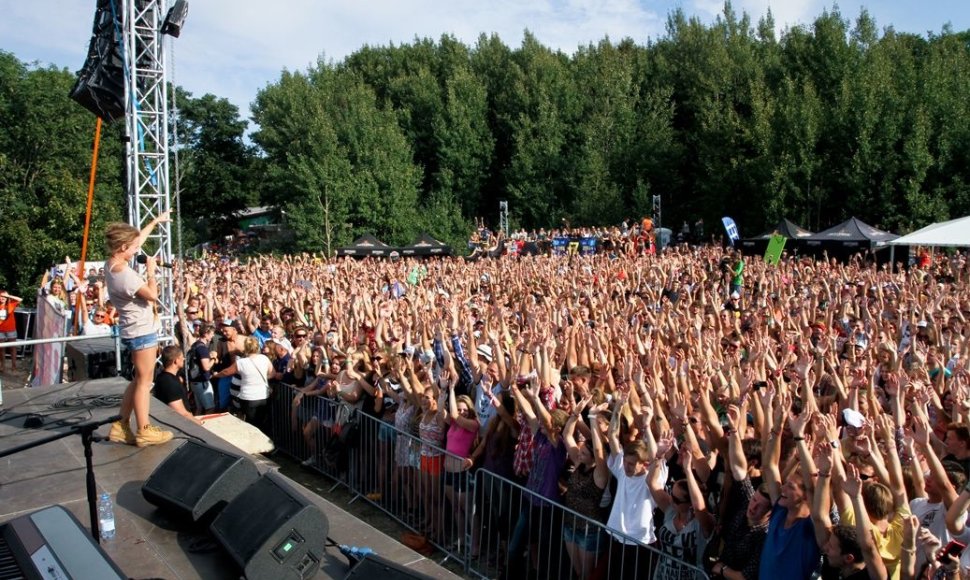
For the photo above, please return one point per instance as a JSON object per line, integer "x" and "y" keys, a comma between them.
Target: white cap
{"x": 853, "y": 418}
{"x": 485, "y": 351}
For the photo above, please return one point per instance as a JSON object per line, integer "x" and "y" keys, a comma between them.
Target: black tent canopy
{"x": 425, "y": 245}
{"x": 849, "y": 237}
{"x": 364, "y": 246}
{"x": 786, "y": 227}
{"x": 369, "y": 246}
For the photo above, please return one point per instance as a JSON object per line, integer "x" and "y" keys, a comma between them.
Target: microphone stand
{"x": 86, "y": 431}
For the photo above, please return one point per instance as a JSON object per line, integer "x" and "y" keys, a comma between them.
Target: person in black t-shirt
{"x": 168, "y": 388}
{"x": 200, "y": 370}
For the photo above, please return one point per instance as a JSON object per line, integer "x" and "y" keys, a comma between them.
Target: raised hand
{"x": 797, "y": 423}
{"x": 852, "y": 485}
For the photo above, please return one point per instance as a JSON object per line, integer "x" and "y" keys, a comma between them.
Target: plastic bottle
{"x": 106, "y": 517}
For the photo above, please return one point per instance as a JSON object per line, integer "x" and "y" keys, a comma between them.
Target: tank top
{"x": 431, "y": 434}
{"x": 460, "y": 440}
{"x": 583, "y": 495}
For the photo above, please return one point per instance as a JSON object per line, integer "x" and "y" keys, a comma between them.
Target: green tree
{"x": 46, "y": 142}
{"x": 215, "y": 162}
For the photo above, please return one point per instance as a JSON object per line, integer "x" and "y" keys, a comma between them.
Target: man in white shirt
{"x": 97, "y": 325}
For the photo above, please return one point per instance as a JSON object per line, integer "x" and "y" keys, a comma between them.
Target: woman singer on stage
{"x": 135, "y": 297}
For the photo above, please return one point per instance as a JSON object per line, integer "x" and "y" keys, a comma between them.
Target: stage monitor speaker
{"x": 376, "y": 567}
{"x": 272, "y": 531}
{"x": 198, "y": 480}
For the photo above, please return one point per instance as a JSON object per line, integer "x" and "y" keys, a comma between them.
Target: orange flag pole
{"x": 87, "y": 219}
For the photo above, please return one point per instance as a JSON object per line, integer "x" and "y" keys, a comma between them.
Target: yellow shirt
{"x": 890, "y": 542}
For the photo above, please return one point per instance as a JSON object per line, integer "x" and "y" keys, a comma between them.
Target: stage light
{"x": 175, "y": 18}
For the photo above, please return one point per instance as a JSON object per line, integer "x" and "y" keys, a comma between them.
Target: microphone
{"x": 142, "y": 259}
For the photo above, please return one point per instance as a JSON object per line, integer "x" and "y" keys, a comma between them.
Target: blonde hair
{"x": 118, "y": 234}
{"x": 468, "y": 403}
{"x": 250, "y": 345}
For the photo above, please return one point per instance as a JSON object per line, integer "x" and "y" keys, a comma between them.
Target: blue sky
{"x": 234, "y": 48}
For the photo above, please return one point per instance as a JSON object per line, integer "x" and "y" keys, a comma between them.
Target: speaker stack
{"x": 265, "y": 524}
{"x": 197, "y": 481}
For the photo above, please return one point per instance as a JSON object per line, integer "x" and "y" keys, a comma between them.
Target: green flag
{"x": 775, "y": 248}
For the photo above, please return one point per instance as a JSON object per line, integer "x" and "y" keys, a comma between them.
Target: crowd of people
{"x": 762, "y": 421}
{"x": 627, "y": 238}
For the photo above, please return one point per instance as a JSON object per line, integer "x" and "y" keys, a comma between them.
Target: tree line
{"x": 824, "y": 121}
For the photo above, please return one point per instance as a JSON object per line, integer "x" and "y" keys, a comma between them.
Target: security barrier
{"x": 492, "y": 526}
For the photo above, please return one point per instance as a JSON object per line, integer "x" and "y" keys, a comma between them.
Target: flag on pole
{"x": 731, "y": 228}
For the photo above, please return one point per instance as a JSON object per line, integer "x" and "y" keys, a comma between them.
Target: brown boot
{"x": 121, "y": 433}
{"x": 152, "y": 435}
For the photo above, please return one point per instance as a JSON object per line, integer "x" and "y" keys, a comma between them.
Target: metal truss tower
{"x": 503, "y": 218}
{"x": 146, "y": 118}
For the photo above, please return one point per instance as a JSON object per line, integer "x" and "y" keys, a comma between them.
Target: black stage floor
{"x": 148, "y": 544}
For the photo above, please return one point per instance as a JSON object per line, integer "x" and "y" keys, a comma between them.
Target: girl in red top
{"x": 8, "y": 327}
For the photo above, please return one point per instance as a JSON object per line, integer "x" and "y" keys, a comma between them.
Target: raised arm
{"x": 870, "y": 554}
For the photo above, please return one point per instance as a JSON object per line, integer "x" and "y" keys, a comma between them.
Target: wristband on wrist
{"x": 798, "y": 438}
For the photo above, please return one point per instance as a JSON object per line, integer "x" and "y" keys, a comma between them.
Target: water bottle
{"x": 106, "y": 517}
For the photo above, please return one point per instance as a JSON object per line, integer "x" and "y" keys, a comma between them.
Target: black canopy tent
{"x": 758, "y": 244}
{"x": 366, "y": 246}
{"x": 850, "y": 237}
{"x": 425, "y": 245}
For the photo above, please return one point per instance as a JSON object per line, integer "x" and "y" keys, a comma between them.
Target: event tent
{"x": 787, "y": 228}
{"x": 366, "y": 245}
{"x": 953, "y": 233}
{"x": 849, "y": 237}
{"x": 425, "y": 245}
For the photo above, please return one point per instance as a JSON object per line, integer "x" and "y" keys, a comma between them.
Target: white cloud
{"x": 234, "y": 48}
{"x": 787, "y": 13}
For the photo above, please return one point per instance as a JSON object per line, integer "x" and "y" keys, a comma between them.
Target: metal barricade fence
{"x": 421, "y": 486}
{"x": 492, "y": 526}
{"x": 519, "y": 534}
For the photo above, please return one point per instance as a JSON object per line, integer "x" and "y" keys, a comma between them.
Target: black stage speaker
{"x": 198, "y": 480}
{"x": 92, "y": 359}
{"x": 376, "y": 567}
{"x": 272, "y": 531}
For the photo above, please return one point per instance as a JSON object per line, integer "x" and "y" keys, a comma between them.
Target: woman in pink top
{"x": 463, "y": 426}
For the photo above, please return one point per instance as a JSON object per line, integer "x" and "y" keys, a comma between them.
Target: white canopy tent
{"x": 952, "y": 233}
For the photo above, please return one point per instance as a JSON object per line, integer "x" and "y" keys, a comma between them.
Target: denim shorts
{"x": 141, "y": 342}
{"x": 587, "y": 537}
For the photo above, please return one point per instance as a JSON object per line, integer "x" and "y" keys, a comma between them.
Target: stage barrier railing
{"x": 492, "y": 526}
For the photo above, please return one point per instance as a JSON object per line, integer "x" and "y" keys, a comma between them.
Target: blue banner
{"x": 731, "y": 228}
